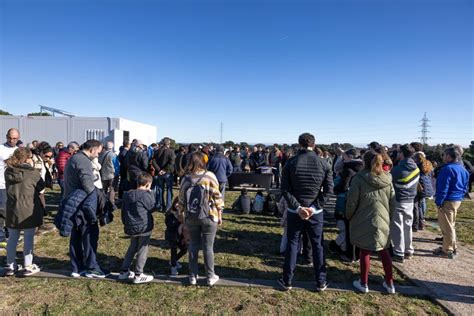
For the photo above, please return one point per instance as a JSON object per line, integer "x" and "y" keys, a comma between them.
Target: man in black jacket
{"x": 306, "y": 182}
{"x": 163, "y": 162}
{"x": 136, "y": 161}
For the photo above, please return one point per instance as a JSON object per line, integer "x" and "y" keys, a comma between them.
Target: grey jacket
{"x": 78, "y": 174}
{"x": 106, "y": 160}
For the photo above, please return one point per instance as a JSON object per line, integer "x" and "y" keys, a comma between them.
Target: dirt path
{"x": 451, "y": 282}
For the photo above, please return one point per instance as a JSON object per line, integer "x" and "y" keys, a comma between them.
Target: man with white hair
{"x": 107, "y": 172}
{"x": 6, "y": 150}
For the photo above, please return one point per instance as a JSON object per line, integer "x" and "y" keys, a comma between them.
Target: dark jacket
{"x": 405, "y": 177}
{"x": 303, "y": 178}
{"x": 136, "y": 212}
{"x": 221, "y": 166}
{"x": 78, "y": 174}
{"x": 349, "y": 169}
{"x": 78, "y": 208}
{"x": 370, "y": 202}
{"x": 137, "y": 162}
{"x": 24, "y": 208}
{"x": 164, "y": 159}
{"x": 257, "y": 159}
{"x": 452, "y": 183}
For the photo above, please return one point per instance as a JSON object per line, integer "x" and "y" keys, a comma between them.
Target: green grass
{"x": 464, "y": 220}
{"x": 95, "y": 297}
{"x": 246, "y": 247}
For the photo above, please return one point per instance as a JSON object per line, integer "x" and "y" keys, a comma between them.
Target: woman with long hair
{"x": 370, "y": 201}
{"x": 202, "y": 203}
{"x": 24, "y": 208}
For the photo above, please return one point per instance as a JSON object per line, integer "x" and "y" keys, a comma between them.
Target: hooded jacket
{"x": 370, "y": 201}
{"x": 405, "y": 177}
{"x": 24, "y": 208}
{"x": 136, "y": 212}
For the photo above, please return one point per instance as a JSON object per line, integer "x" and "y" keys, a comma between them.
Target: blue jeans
{"x": 83, "y": 247}
{"x": 160, "y": 183}
{"x": 314, "y": 227}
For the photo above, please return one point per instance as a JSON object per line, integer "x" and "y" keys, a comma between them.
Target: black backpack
{"x": 197, "y": 199}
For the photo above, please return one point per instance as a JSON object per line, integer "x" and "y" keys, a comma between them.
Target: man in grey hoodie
{"x": 405, "y": 177}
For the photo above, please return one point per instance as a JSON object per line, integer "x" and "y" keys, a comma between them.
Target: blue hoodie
{"x": 451, "y": 183}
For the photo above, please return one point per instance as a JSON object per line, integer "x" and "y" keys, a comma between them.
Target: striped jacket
{"x": 210, "y": 183}
{"x": 405, "y": 177}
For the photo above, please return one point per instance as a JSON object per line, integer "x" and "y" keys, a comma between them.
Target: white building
{"x": 55, "y": 129}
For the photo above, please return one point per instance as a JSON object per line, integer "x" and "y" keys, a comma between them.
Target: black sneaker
{"x": 286, "y": 286}
{"x": 322, "y": 287}
{"x": 396, "y": 258}
{"x": 438, "y": 239}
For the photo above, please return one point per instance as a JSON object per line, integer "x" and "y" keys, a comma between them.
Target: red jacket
{"x": 61, "y": 161}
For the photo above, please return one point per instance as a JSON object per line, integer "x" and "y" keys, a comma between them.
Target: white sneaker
{"x": 31, "y": 269}
{"x": 390, "y": 289}
{"x": 193, "y": 279}
{"x": 174, "y": 270}
{"x": 362, "y": 288}
{"x": 142, "y": 278}
{"x": 213, "y": 280}
{"x": 125, "y": 275}
{"x": 77, "y": 274}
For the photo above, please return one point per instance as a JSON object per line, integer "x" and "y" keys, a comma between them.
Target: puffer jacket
{"x": 136, "y": 212}
{"x": 24, "y": 208}
{"x": 303, "y": 178}
{"x": 78, "y": 208}
{"x": 61, "y": 161}
{"x": 136, "y": 161}
{"x": 370, "y": 201}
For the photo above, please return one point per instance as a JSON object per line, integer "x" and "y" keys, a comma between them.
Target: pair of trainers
{"x": 364, "y": 288}
{"x": 210, "y": 282}
{"x": 135, "y": 278}
{"x": 26, "y": 271}
{"x": 286, "y": 286}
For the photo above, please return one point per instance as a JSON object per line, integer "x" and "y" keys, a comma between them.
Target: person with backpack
{"x": 351, "y": 165}
{"x": 24, "y": 210}
{"x": 202, "y": 202}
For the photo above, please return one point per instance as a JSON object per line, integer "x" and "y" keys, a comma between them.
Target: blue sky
{"x": 347, "y": 71}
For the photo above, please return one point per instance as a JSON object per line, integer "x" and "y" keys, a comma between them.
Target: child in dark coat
{"x": 176, "y": 234}
{"x": 138, "y": 224}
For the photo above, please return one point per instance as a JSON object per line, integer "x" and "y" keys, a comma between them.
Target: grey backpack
{"x": 197, "y": 199}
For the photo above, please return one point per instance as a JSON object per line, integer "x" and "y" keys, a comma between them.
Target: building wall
{"x": 144, "y": 132}
{"x": 79, "y": 129}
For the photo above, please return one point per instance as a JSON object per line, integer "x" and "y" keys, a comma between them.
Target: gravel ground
{"x": 450, "y": 281}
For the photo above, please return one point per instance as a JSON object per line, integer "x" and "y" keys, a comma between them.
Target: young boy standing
{"x": 138, "y": 224}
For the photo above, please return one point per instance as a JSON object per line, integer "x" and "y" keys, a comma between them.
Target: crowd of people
{"x": 381, "y": 200}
